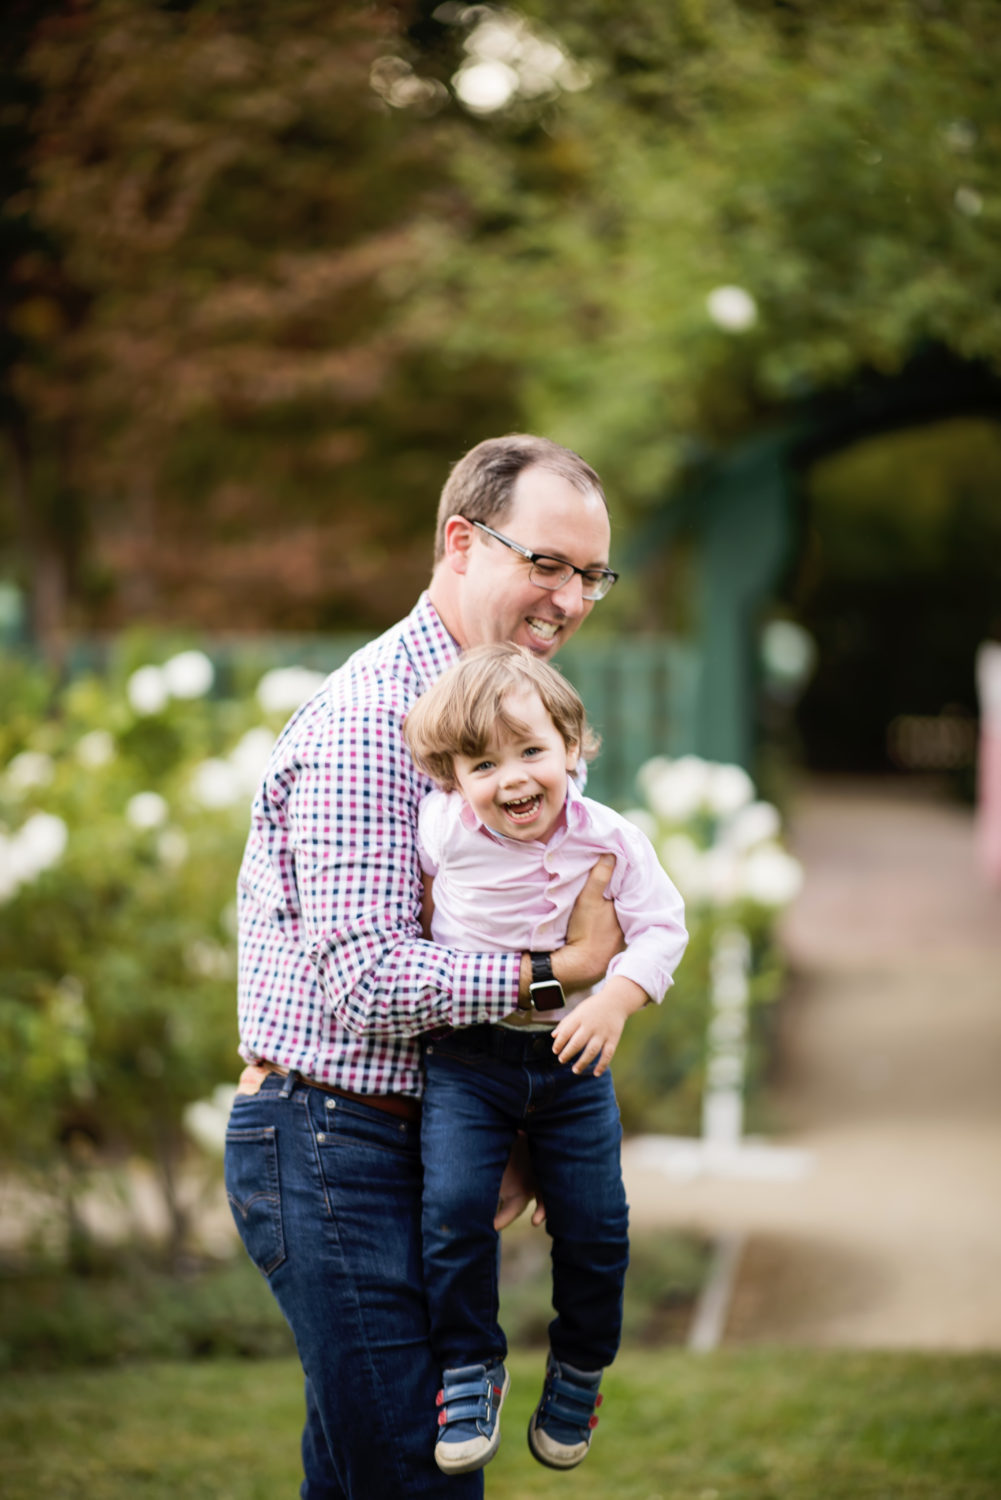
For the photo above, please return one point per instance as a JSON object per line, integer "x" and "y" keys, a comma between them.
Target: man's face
{"x": 498, "y": 602}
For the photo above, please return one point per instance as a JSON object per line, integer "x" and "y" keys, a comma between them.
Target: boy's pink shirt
{"x": 497, "y": 892}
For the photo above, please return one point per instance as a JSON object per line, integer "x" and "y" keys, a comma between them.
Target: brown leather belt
{"x": 401, "y": 1105}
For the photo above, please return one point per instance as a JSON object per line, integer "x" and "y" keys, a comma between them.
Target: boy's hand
{"x": 591, "y": 1031}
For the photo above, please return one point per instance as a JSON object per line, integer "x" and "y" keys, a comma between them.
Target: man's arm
{"x": 594, "y": 937}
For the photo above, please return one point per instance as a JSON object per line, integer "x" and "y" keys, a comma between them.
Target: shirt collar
{"x": 432, "y": 648}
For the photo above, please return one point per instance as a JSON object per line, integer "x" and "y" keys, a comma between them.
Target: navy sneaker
{"x": 469, "y": 1407}
{"x": 559, "y": 1433}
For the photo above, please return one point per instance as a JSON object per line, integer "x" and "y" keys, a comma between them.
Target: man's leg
{"x": 326, "y": 1195}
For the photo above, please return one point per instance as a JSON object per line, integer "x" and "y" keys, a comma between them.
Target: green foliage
{"x": 835, "y": 163}
{"x": 722, "y": 849}
{"x": 127, "y": 1309}
{"x": 121, "y": 829}
{"x": 278, "y": 273}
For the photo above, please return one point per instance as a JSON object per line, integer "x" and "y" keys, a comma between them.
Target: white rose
{"x": 732, "y": 308}
{"x": 146, "y": 810}
{"x": 147, "y": 690}
{"x": 729, "y": 789}
{"x": 39, "y": 844}
{"x": 250, "y": 755}
{"x": 30, "y": 769}
{"x": 206, "y": 1119}
{"x": 190, "y": 674}
{"x": 758, "y": 823}
{"x": 641, "y": 819}
{"x": 286, "y": 688}
{"x": 95, "y": 749}
{"x": 215, "y": 784}
{"x": 771, "y": 877}
{"x": 172, "y": 847}
{"x": 678, "y": 788}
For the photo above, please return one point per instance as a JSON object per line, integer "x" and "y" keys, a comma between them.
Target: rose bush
{"x": 124, "y": 800}
{"x": 722, "y": 848}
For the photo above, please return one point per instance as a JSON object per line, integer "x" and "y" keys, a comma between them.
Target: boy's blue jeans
{"x": 483, "y": 1085}
{"x": 326, "y": 1196}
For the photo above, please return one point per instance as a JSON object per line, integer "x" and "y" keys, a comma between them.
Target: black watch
{"x": 545, "y": 990}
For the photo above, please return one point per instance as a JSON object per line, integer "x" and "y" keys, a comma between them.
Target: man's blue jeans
{"x": 483, "y": 1085}
{"x": 326, "y": 1196}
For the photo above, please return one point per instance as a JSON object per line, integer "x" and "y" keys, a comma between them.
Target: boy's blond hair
{"x": 461, "y": 712}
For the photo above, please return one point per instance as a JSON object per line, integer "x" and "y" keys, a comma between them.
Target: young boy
{"x": 508, "y": 842}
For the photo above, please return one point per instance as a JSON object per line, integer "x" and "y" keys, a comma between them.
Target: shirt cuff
{"x": 485, "y": 987}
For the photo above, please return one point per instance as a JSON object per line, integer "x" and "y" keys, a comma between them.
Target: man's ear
{"x": 458, "y": 542}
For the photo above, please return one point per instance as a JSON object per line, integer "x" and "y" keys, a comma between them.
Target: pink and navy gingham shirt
{"x": 491, "y": 891}
{"x": 335, "y": 979}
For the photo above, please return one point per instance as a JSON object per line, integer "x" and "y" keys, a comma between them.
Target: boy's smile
{"x": 517, "y": 785}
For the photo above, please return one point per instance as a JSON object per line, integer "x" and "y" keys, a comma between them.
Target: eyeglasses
{"x": 554, "y": 572}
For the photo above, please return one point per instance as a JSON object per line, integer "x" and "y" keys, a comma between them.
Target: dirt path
{"x": 890, "y": 1077}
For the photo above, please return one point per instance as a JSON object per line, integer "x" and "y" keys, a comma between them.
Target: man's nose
{"x": 569, "y": 597}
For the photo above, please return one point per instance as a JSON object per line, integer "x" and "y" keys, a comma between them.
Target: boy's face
{"x": 518, "y": 785}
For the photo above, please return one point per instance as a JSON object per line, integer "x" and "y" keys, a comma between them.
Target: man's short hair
{"x": 460, "y": 713}
{"x": 480, "y": 484}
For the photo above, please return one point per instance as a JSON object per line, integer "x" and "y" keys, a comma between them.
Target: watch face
{"x": 547, "y": 995}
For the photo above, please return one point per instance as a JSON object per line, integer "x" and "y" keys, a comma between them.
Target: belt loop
{"x": 292, "y": 1077}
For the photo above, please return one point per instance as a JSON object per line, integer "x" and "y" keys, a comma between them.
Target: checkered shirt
{"x": 335, "y": 978}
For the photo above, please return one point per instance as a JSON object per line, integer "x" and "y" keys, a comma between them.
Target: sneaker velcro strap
{"x": 571, "y": 1403}
{"x": 467, "y": 1400}
{"x": 575, "y": 1401}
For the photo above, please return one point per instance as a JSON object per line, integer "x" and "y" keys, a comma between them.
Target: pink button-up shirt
{"x": 497, "y": 892}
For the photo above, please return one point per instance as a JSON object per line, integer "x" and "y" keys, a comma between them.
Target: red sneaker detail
{"x": 599, "y": 1400}
{"x": 592, "y": 1422}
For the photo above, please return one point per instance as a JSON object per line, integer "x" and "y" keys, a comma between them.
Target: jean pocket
{"x": 254, "y": 1196}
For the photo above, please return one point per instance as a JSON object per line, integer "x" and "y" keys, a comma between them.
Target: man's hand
{"x": 593, "y": 933}
{"x": 517, "y": 1189}
{"x": 591, "y": 1031}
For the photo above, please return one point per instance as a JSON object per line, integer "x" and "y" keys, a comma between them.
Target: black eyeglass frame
{"x": 545, "y": 557}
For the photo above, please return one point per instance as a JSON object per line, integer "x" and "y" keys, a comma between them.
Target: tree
{"x": 243, "y": 212}
{"x": 829, "y": 173}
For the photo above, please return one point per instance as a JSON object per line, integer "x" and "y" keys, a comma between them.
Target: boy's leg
{"x": 574, "y": 1136}
{"x": 326, "y": 1195}
{"x": 469, "y": 1122}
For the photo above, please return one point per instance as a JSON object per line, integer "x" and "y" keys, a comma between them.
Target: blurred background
{"x": 266, "y": 272}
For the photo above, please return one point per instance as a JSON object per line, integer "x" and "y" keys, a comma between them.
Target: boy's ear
{"x": 573, "y": 755}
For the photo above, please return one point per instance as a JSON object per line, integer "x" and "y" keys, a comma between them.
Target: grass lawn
{"x": 735, "y": 1425}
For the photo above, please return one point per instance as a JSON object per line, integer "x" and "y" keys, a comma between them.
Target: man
{"x": 336, "y": 983}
